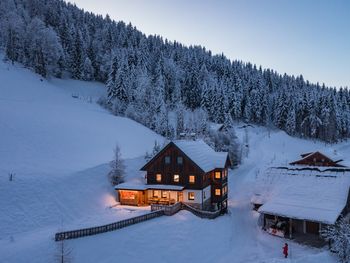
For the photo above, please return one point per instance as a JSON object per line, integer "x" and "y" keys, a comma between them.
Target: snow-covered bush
{"x": 339, "y": 236}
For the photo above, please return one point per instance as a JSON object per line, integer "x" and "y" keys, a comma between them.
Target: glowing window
{"x": 217, "y": 175}
{"x": 218, "y": 192}
{"x": 164, "y": 194}
{"x": 192, "y": 179}
{"x": 176, "y": 178}
{"x": 191, "y": 196}
{"x": 158, "y": 177}
{"x": 155, "y": 193}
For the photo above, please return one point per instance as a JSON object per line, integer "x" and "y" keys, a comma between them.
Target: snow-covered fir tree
{"x": 117, "y": 172}
{"x": 54, "y": 37}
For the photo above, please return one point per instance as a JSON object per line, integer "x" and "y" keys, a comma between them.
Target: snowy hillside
{"x": 58, "y": 147}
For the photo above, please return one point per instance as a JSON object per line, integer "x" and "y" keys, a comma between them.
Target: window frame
{"x": 194, "y": 179}
{"x": 155, "y": 195}
{"x": 178, "y": 178}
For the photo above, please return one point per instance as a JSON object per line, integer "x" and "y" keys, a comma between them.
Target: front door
{"x": 179, "y": 196}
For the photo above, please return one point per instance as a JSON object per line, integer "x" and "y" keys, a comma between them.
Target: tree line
{"x": 165, "y": 85}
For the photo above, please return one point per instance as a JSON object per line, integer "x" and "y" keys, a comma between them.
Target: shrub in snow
{"x": 117, "y": 173}
{"x": 339, "y": 236}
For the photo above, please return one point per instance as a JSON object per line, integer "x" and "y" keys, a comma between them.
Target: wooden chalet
{"x": 183, "y": 171}
{"x": 298, "y": 200}
{"x": 317, "y": 159}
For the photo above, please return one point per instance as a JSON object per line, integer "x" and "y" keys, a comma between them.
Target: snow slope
{"x": 58, "y": 146}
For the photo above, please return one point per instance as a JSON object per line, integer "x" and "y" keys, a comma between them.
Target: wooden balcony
{"x": 161, "y": 201}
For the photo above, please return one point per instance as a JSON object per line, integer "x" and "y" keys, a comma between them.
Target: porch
{"x": 301, "y": 231}
{"x": 141, "y": 195}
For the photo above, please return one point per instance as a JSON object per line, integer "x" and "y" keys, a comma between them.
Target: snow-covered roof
{"x": 312, "y": 194}
{"x": 165, "y": 187}
{"x": 334, "y": 157}
{"x": 141, "y": 187}
{"x": 131, "y": 186}
{"x": 215, "y": 126}
{"x": 202, "y": 154}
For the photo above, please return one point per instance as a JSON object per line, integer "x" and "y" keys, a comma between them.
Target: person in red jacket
{"x": 285, "y": 250}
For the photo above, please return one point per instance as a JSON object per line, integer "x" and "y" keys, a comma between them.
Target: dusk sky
{"x": 305, "y": 37}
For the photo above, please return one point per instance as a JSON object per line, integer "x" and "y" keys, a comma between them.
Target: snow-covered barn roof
{"x": 202, "y": 154}
{"x": 316, "y": 194}
{"x": 311, "y": 157}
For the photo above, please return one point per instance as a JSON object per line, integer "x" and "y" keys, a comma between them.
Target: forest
{"x": 165, "y": 85}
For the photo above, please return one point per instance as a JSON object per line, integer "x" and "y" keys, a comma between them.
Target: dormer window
{"x": 180, "y": 160}
{"x": 217, "y": 175}
{"x": 167, "y": 159}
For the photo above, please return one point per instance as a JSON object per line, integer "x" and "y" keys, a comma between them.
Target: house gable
{"x": 316, "y": 159}
{"x": 183, "y": 169}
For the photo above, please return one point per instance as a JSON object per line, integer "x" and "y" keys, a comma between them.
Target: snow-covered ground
{"x": 58, "y": 147}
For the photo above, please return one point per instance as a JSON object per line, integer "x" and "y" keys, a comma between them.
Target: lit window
{"x": 218, "y": 192}
{"x": 167, "y": 159}
{"x": 176, "y": 178}
{"x": 192, "y": 179}
{"x": 159, "y": 177}
{"x": 179, "y": 160}
{"x": 155, "y": 193}
{"x": 217, "y": 175}
{"x": 164, "y": 194}
{"x": 191, "y": 196}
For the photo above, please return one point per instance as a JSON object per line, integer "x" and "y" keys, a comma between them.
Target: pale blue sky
{"x": 309, "y": 37}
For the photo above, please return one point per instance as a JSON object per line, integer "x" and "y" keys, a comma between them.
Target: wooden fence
{"x": 169, "y": 210}
{"x": 157, "y": 211}
{"x": 173, "y": 209}
{"x": 201, "y": 213}
{"x": 106, "y": 228}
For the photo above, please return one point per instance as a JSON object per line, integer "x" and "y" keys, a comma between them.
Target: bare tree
{"x": 117, "y": 173}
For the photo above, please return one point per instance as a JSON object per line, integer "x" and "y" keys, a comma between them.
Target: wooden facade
{"x": 169, "y": 169}
{"x": 172, "y": 176}
{"x": 317, "y": 159}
